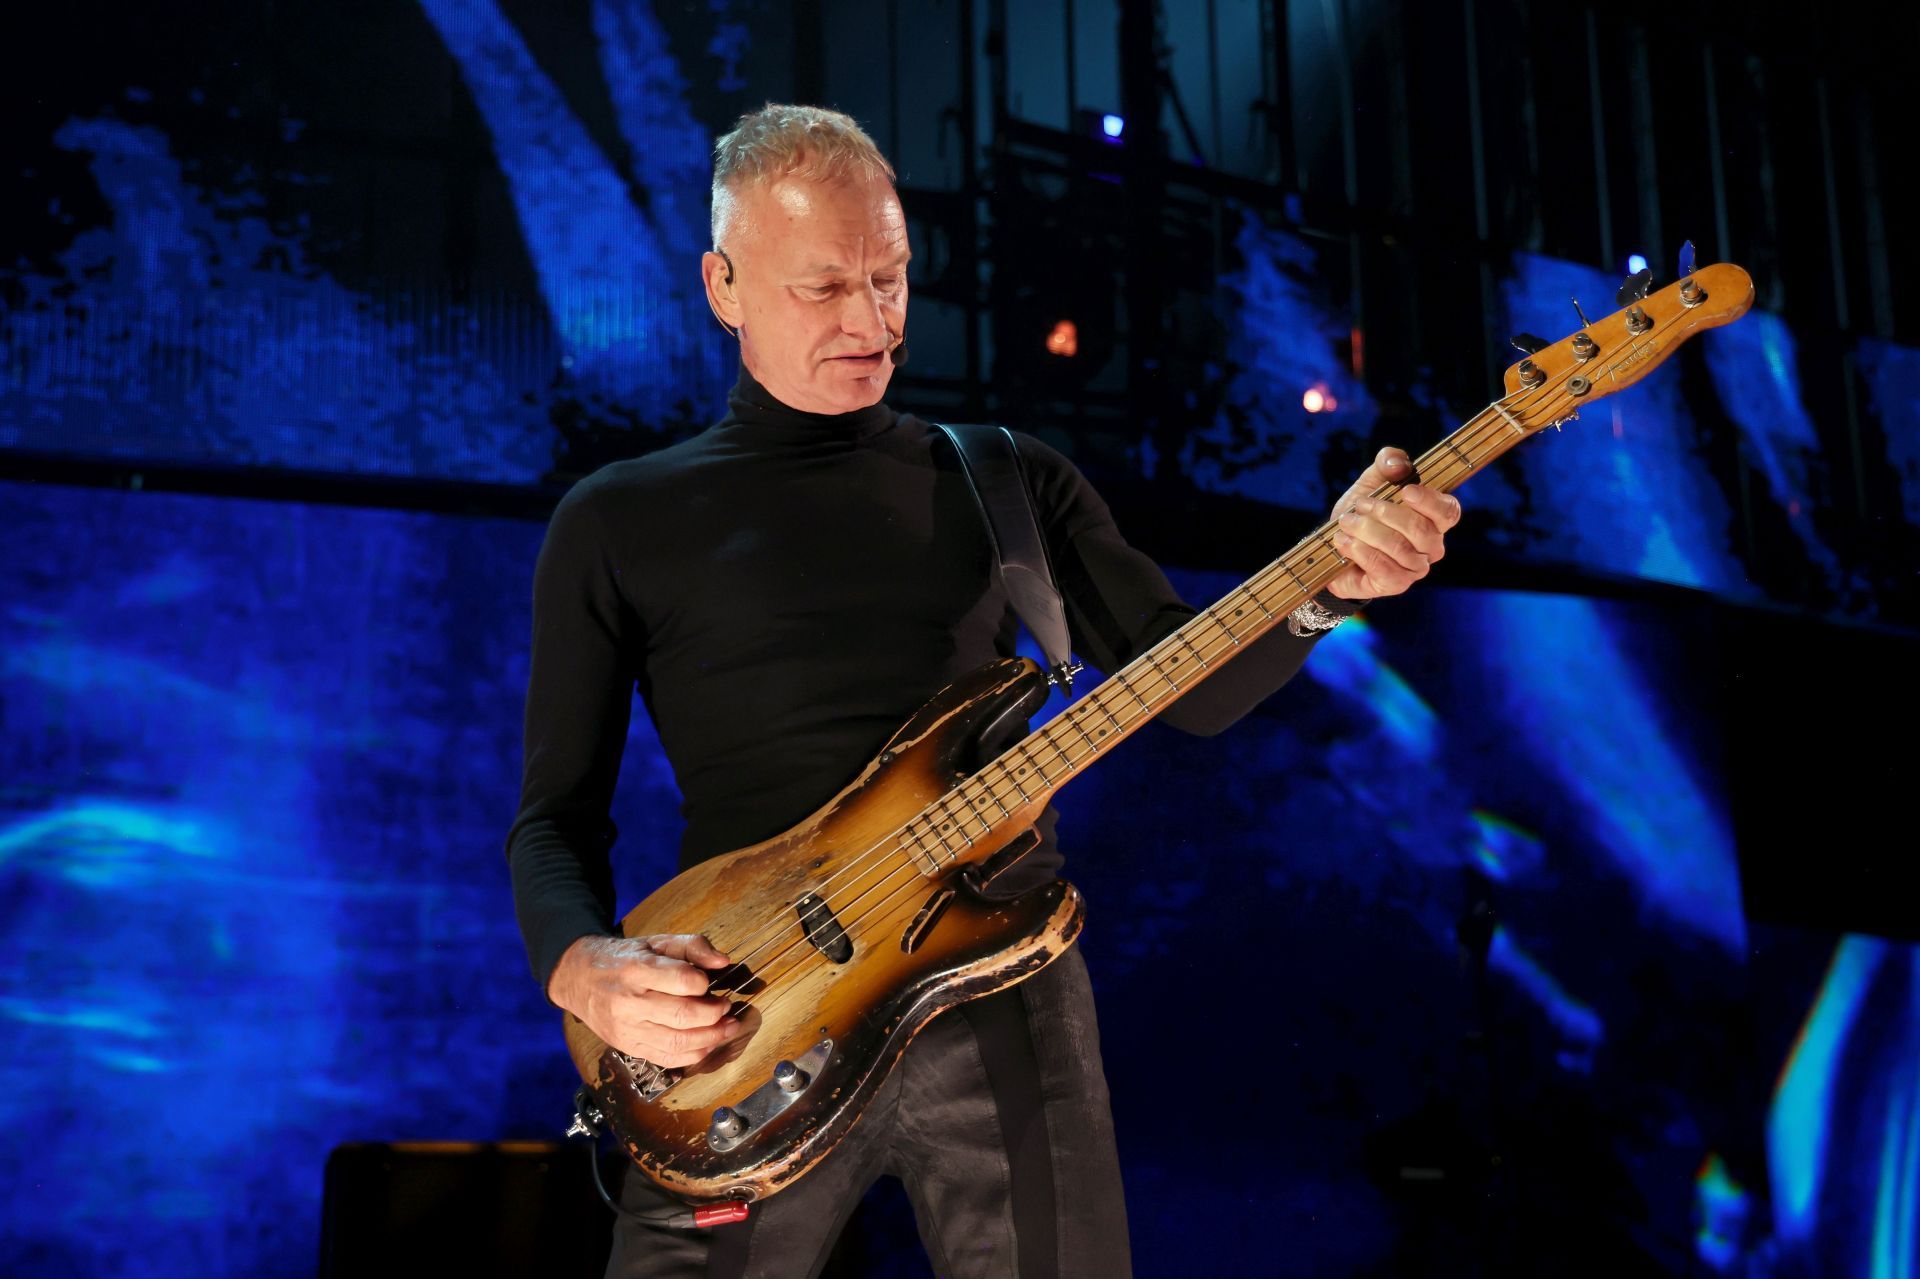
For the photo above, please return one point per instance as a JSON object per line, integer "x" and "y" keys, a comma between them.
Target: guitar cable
{"x": 663, "y": 1209}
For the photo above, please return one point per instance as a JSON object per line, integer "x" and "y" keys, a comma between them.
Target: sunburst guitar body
{"x": 846, "y": 938}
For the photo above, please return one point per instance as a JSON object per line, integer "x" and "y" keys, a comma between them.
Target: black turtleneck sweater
{"x": 783, "y": 590}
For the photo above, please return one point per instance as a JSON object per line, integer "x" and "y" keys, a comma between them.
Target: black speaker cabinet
{"x": 518, "y": 1208}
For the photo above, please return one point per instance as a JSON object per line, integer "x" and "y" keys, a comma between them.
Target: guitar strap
{"x": 991, "y": 464}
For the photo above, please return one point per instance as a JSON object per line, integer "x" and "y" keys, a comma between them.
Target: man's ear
{"x": 716, "y": 272}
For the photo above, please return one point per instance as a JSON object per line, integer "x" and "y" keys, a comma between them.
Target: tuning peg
{"x": 1686, "y": 260}
{"x": 1528, "y": 343}
{"x": 1638, "y": 285}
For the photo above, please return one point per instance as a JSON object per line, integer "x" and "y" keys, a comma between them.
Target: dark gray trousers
{"x": 995, "y": 1119}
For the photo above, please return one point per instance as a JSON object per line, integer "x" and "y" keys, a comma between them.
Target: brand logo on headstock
{"x": 1639, "y": 355}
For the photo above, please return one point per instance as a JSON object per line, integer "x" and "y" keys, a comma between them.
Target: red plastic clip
{"x": 720, "y": 1214}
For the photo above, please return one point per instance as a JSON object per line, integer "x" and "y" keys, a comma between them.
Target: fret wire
{"x": 958, "y": 797}
{"x": 1059, "y": 750}
{"x": 932, "y": 858}
{"x": 1013, "y": 780}
{"x": 1181, "y": 635}
{"x": 1073, "y": 718}
{"x": 940, "y": 810}
{"x": 1225, "y": 630}
{"x": 1101, "y": 702}
{"x": 1213, "y": 617}
{"x": 1025, "y": 750}
{"x": 1127, "y": 684}
{"x": 1153, "y": 664}
{"x": 942, "y": 846}
{"x": 988, "y": 775}
{"x": 961, "y": 791}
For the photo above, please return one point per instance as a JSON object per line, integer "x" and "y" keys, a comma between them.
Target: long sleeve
{"x": 1119, "y": 603}
{"x": 579, "y": 700}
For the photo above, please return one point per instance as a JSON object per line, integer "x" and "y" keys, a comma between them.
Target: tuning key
{"x": 1528, "y": 344}
{"x": 1691, "y": 294}
{"x": 1638, "y": 285}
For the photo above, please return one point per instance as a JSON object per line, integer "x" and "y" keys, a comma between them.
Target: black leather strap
{"x": 992, "y": 466}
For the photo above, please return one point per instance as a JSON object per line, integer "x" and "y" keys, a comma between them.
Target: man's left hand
{"x": 1391, "y": 545}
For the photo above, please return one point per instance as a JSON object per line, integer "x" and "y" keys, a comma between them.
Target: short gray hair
{"x": 781, "y": 140}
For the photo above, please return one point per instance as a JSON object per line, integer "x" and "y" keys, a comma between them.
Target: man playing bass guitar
{"x": 783, "y": 590}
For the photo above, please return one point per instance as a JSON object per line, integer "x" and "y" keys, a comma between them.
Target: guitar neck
{"x": 1047, "y": 759}
{"x": 1544, "y": 390}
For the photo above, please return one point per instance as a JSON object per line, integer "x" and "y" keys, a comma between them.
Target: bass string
{"x": 774, "y": 929}
{"x": 859, "y": 862}
{"x": 1471, "y": 438}
{"x": 1473, "y": 430}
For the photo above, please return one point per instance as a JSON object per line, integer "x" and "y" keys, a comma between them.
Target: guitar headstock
{"x": 1557, "y": 380}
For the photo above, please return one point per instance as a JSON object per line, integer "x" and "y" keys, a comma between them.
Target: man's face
{"x": 820, "y": 278}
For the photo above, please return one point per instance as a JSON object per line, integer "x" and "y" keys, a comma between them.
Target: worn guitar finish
{"x": 849, "y": 931}
{"x": 919, "y": 944}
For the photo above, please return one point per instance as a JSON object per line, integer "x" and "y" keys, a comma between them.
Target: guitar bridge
{"x": 646, "y": 1079}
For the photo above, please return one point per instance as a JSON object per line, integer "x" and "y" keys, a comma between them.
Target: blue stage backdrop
{"x": 1466, "y": 887}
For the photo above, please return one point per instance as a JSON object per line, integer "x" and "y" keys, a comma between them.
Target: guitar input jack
{"x": 665, "y": 1211}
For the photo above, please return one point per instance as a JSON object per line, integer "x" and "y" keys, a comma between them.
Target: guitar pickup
{"x": 924, "y": 921}
{"x": 823, "y": 929}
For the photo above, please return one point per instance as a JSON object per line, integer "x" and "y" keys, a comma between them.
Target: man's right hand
{"x": 647, "y": 996}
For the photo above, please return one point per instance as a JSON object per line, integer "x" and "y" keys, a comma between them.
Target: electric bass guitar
{"x": 852, "y": 929}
